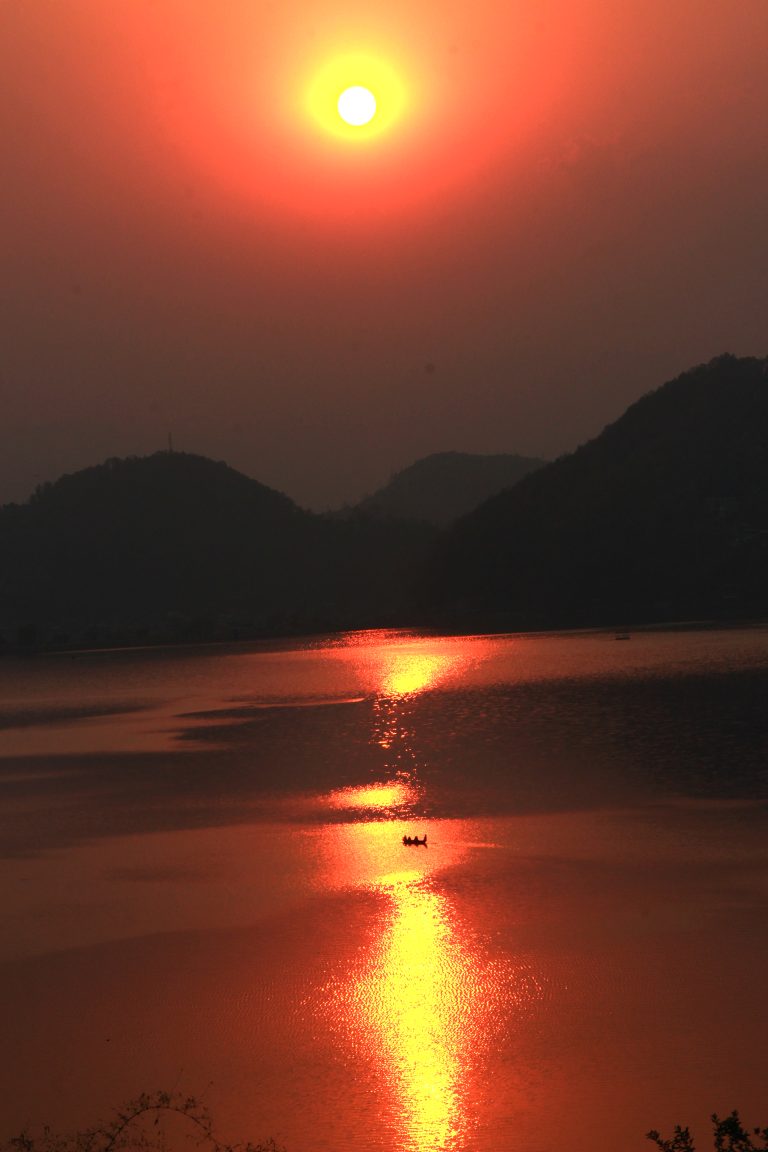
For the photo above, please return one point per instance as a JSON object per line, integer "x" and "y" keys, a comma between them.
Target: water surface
{"x": 204, "y": 887}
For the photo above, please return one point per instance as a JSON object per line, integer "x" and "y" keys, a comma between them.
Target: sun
{"x": 358, "y": 97}
{"x": 357, "y": 105}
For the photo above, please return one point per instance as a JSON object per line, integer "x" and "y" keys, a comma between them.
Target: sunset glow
{"x": 368, "y": 369}
{"x": 274, "y": 127}
{"x": 356, "y": 97}
{"x": 357, "y": 105}
{"x": 320, "y": 303}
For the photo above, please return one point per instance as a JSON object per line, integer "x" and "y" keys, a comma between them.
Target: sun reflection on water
{"x": 427, "y": 999}
{"x": 404, "y": 675}
{"x": 420, "y": 999}
{"x": 373, "y": 797}
{"x": 410, "y": 672}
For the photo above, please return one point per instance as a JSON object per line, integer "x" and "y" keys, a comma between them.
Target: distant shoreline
{"x": 280, "y": 640}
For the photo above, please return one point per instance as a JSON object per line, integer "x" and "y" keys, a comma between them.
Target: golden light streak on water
{"x": 377, "y": 797}
{"x": 425, "y": 1030}
{"x": 428, "y": 998}
{"x": 404, "y": 674}
{"x": 412, "y": 672}
{"x": 394, "y": 666}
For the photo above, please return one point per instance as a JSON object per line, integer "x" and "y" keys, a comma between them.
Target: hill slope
{"x": 442, "y": 487}
{"x": 663, "y": 516}
{"x": 178, "y": 546}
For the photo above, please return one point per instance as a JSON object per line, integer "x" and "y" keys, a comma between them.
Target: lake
{"x": 205, "y": 887}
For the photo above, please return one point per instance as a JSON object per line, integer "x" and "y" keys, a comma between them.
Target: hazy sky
{"x": 564, "y": 204}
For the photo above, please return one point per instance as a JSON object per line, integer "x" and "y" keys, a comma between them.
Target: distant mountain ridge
{"x": 443, "y": 487}
{"x": 663, "y": 516}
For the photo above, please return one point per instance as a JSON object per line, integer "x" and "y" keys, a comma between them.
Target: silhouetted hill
{"x": 177, "y": 546}
{"x": 446, "y": 485}
{"x": 663, "y": 516}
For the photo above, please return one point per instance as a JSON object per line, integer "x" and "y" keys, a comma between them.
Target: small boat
{"x": 412, "y": 841}
{"x": 622, "y": 636}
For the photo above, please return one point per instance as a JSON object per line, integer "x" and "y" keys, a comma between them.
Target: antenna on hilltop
{"x": 170, "y": 444}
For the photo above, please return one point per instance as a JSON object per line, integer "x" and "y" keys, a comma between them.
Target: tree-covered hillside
{"x": 664, "y": 516}
{"x": 176, "y": 546}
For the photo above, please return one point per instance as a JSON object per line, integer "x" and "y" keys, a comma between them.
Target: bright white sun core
{"x": 357, "y": 106}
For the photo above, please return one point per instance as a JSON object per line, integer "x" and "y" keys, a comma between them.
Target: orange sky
{"x": 567, "y": 208}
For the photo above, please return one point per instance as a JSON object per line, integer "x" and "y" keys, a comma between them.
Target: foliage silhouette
{"x": 729, "y": 1136}
{"x": 140, "y": 1124}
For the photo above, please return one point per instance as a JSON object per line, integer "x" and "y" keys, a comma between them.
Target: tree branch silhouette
{"x": 128, "y": 1129}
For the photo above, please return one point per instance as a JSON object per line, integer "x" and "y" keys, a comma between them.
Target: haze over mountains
{"x": 447, "y": 485}
{"x": 662, "y": 517}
